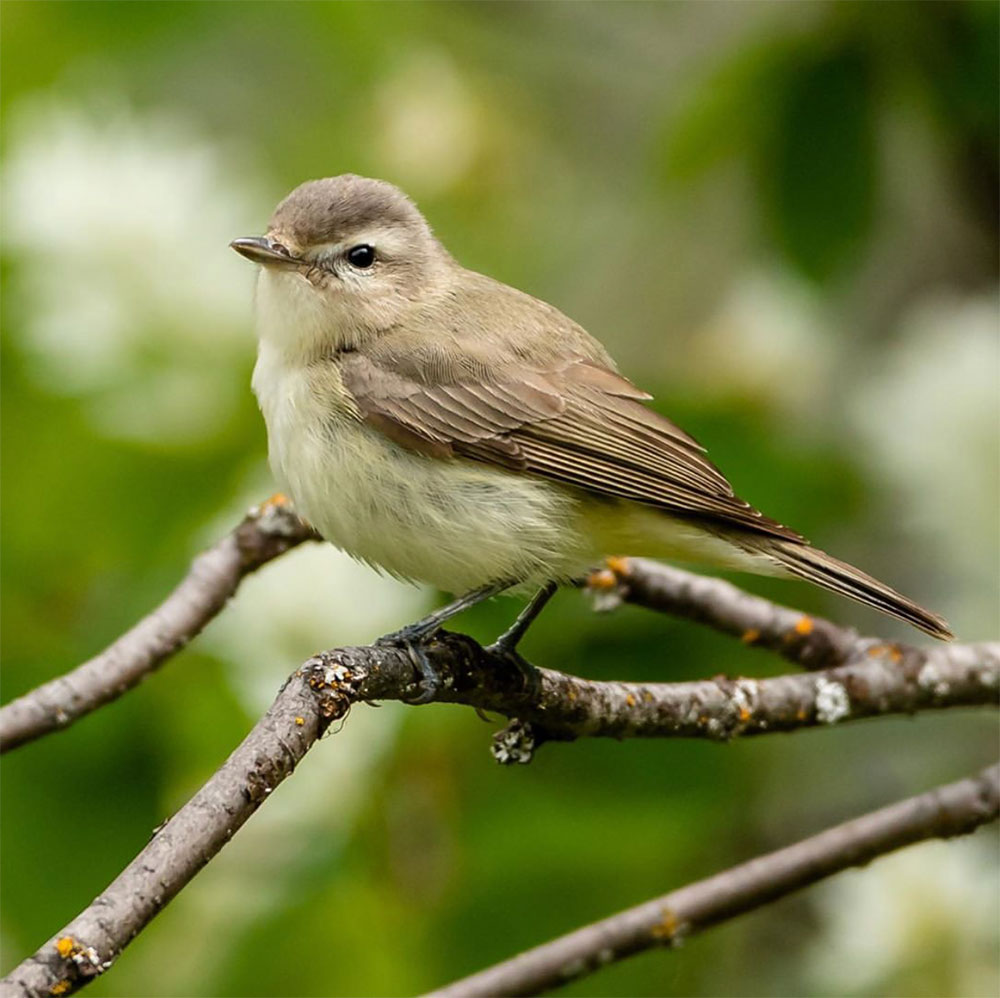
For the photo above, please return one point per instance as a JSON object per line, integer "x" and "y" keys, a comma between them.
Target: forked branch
{"x": 563, "y": 707}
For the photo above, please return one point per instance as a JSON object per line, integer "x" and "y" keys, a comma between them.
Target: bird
{"x": 447, "y": 428}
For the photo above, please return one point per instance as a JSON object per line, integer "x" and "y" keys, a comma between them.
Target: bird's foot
{"x": 413, "y": 640}
{"x": 531, "y": 678}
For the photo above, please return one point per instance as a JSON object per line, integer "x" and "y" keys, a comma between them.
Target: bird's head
{"x": 343, "y": 259}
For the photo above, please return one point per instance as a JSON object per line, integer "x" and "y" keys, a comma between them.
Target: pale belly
{"x": 451, "y": 524}
{"x": 454, "y": 524}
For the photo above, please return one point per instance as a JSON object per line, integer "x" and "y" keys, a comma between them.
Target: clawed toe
{"x": 429, "y": 684}
{"x": 412, "y": 634}
{"x": 531, "y": 678}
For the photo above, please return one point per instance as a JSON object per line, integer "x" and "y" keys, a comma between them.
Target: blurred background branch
{"x": 955, "y": 809}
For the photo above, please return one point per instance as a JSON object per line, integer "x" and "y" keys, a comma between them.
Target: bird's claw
{"x": 411, "y": 639}
{"x": 531, "y": 678}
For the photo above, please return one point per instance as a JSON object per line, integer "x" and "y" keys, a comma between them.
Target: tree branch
{"x": 564, "y": 707}
{"x": 812, "y": 642}
{"x": 955, "y": 809}
{"x": 271, "y": 529}
{"x": 267, "y": 531}
{"x": 91, "y": 943}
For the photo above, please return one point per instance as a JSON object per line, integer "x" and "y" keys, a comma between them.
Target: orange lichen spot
{"x": 278, "y": 499}
{"x": 875, "y": 651}
{"x": 666, "y": 927}
{"x": 629, "y": 699}
{"x": 618, "y": 565}
{"x": 299, "y": 721}
{"x": 65, "y": 946}
{"x": 800, "y": 714}
{"x": 750, "y": 635}
{"x": 804, "y": 625}
{"x": 895, "y": 654}
{"x": 744, "y": 713}
{"x": 602, "y": 579}
{"x": 61, "y": 987}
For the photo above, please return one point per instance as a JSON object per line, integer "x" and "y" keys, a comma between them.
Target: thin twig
{"x": 806, "y": 640}
{"x": 266, "y": 532}
{"x": 955, "y": 809}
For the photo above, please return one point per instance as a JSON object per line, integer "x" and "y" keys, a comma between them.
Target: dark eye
{"x": 361, "y": 256}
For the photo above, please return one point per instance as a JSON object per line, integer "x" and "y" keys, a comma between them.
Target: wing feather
{"x": 577, "y": 423}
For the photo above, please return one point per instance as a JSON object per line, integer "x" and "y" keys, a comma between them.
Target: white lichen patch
{"x": 338, "y": 675}
{"x": 930, "y": 678}
{"x": 604, "y": 600}
{"x": 86, "y": 957}
{"x": 832, "y": 702}
{"x": 714, "y": 728}
{"x": 514, "y": 745}
{"x": 744, "y": 698}
{"x": 276, "y": 519}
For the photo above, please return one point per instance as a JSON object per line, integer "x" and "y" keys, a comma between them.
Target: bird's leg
{"x": 425, "y": 627}
{"x": 508, "y": 641}
{"x": 505, "y": 646}
{"x": 414, "y": 635}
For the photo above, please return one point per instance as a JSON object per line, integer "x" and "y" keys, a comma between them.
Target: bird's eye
{"x": 361, "y": 256}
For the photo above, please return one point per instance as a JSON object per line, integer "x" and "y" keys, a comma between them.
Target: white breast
{"x": 455, "y": 524}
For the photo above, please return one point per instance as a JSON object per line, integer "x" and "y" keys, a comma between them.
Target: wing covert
{"x": 578, "y": 423}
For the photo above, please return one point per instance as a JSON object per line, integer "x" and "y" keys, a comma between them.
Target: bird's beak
{"x": 265, "y": 251}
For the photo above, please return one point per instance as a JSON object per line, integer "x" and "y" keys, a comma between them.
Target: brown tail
{"x": 824, "y": 570}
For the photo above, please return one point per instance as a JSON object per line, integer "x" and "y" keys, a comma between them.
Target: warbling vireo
{"x": 445, "y": 427}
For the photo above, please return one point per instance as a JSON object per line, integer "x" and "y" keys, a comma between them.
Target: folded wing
{"x": 577, "y": 423}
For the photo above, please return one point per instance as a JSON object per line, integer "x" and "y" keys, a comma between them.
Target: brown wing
{"x": 578, "y": 423}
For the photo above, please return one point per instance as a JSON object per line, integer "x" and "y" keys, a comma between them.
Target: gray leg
{"x": 506, "y": 645}
{"x": 508, "y": 641}
{"x": 428, "y": 625}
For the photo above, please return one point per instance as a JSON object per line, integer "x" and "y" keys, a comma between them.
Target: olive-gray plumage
{"x": 447, "y": 427}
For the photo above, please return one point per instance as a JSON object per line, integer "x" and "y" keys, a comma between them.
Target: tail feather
{"x": 824, "y": 570}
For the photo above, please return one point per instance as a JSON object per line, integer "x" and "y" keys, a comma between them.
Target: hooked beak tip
{"x": 265, "y": 251}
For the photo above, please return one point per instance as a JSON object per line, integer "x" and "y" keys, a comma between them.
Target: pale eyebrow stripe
{"x": 382, "y": 238}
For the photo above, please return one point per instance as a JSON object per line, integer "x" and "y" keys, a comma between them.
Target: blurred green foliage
{"x": 632, "y": 163}
{"x": 804, "y": 109}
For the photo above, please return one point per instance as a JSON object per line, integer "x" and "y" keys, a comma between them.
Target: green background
{"x": 782, "y": 220}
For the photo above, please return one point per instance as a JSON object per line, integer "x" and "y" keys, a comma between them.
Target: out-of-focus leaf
{"x": 957, "y": 64}
{"x": 816, "y": 168}
{"x": 956, "y": 52}
{"x": 726, "y": 115}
